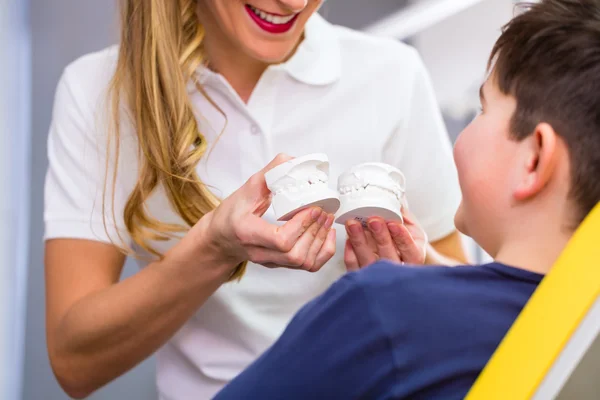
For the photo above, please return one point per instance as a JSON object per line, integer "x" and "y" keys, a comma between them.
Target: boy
{"x": 529, "y": 169}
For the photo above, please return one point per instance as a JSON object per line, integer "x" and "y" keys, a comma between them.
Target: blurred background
{"x": 38, "y": 38}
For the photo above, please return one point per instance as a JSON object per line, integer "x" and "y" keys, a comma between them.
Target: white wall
{"x": 14, "y": 193}
{"x": 61, "y": 31}
{"x": 456, "y": 50}
{"x": 455, "y": 53}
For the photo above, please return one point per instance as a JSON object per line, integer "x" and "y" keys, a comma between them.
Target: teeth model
{"x": 301, "y": 183}
{"x": 369, "y": 190}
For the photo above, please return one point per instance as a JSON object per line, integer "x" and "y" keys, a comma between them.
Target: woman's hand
{"x": 236, "y": 231}
{"x": 392, "y": 240}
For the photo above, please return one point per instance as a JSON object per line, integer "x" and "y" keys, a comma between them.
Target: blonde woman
{"x": 154, "y": 150}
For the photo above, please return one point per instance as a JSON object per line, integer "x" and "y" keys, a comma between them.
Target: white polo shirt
{"x": 354, "y": 97}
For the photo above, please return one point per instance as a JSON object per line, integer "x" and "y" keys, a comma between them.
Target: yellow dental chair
{"x": 552, "y": 351}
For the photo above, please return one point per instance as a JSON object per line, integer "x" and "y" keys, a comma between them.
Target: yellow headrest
{"x": 548, "y": 320}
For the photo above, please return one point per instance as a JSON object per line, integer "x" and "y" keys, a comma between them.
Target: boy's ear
{"x": 540, "y": 158}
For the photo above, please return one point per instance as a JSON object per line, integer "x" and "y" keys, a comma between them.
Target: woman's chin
{"x": 270, "y": 53}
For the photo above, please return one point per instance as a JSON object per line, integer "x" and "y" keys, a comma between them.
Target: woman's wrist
{"x": 200, "y": 254}
{"x": 433, "y": 257}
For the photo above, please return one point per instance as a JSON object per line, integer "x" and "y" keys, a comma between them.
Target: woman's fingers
{"x": 278, "y": 160}
{"x": 297, "y": 256}
{"x": 255, "y": 231}
{"x": 358, "y": 239}
{"x": 317, "y": 243}
{"x": 304, "y": 252}
{"x": 294, "y": 229}
{"x": 386, "y": 248}
{"x": 254, "y": 193}
{"x": 326, "y": 252}
{"x": 408, "y": 248}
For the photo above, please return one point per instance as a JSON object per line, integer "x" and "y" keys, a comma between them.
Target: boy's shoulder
{"x": 386, "y": 284}
{"x": 384, "y": 273}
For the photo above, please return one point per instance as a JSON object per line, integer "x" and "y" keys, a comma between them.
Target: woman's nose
{"x": 295, "y": 5}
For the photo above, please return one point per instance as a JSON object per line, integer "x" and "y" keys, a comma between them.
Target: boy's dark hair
{"x": 548, "y": 59}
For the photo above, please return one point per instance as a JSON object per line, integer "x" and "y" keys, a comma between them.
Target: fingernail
{"x": 316, "y": 213}
{"x": 322, "y": 219}
{"x": 354, "y": 227}
{"x": 394, "y": 229}
{"x": 375, "y": 225}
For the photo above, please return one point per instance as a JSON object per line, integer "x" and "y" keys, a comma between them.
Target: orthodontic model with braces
{"x": 371, "y": 189}
{"x": 366, "y": 190}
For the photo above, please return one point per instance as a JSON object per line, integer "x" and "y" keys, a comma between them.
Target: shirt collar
{"x": 317, "y": 60}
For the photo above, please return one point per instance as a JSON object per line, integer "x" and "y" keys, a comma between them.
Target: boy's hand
{"x": 392, "y": 240}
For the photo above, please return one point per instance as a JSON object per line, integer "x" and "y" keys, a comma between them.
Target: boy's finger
{"x": 409, "y": 250}
{"x": 350, "y": 258}
{"x": 356, "y": 234}
{"x": 386, "y": 247}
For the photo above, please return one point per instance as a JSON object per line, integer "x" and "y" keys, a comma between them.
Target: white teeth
{"x": 354, "y": 189}
{"x": 300, "y": 186}
{"x": 274, "y": 19}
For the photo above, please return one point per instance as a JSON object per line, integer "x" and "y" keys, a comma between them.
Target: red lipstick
{"x": 270, "y": 26}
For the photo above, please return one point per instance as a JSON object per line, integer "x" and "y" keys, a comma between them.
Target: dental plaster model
{"x": 371, "y": 189}
{"x": 301, "y": 183}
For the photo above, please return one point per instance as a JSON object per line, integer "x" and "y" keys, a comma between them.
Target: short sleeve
{"x": 334, "y": 348}
{"x": 422, "y": 150}
{"x": 78, "y": 193}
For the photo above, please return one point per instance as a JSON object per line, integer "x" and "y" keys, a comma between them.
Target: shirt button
{"x": 255, "y": 129}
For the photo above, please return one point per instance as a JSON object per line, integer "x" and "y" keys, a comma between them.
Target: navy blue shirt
{"x": 391, "y": 332}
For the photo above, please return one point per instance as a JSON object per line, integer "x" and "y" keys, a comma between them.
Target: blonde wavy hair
{"x": 160, "y": 52}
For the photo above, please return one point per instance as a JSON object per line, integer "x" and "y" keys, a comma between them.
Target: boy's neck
{"x": 534, "y": 245}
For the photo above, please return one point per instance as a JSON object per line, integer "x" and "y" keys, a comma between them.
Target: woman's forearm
{"x": 449, "y": 250}
{"x": 109, "y": 332}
